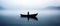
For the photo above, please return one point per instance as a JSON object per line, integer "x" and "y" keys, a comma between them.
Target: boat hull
{"x": 31, "y": 15}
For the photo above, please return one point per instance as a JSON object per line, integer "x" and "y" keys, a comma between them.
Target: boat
{"x": 29, "y": 15}
{"x": 33, "y": 16}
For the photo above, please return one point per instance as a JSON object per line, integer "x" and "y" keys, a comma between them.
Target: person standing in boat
{"x": 28, "y": 15}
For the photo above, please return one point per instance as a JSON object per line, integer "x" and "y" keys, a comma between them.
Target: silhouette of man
{"x": 28, "y": 16}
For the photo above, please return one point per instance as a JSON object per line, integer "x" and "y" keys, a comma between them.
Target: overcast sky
{"x": 27, "y": 4}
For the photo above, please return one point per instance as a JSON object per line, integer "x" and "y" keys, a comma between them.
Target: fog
{"x": 48, "y": 12}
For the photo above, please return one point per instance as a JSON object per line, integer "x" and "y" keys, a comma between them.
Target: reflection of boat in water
{"x": 33, "y": 16}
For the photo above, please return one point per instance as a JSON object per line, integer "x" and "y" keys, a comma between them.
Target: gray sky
{"x": 28, "y": 4}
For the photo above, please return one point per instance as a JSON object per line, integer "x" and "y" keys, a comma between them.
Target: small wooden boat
{"x": 33, "y": 16}
{"x": 30, "y": 15}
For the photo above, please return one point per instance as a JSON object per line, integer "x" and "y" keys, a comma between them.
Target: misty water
{"x": 45, "y": 18}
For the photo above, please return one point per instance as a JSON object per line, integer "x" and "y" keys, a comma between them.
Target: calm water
{"x": 46, "y": 19}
